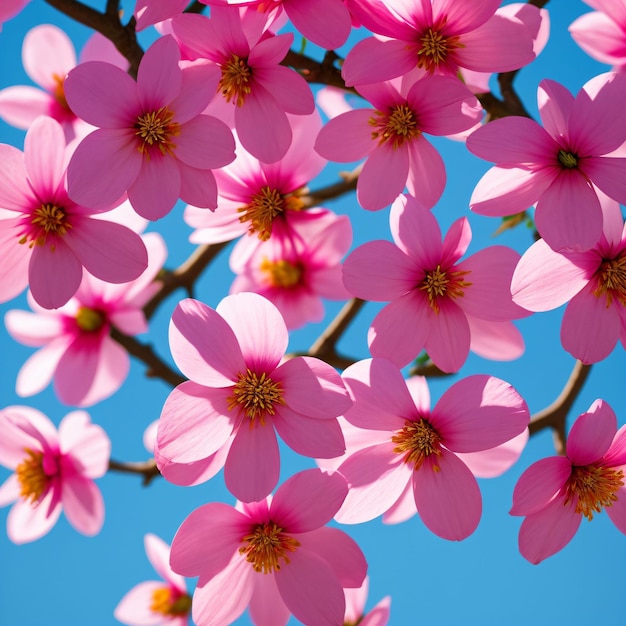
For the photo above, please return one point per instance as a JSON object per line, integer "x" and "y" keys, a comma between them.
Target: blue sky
{"x": 71, "y": 580}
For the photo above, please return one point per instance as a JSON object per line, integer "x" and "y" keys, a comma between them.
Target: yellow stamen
{"x": 595, "y": 486}
{"x": 48, "y": 219}
{"x": 257, "y": 395}
{"x": 31, "y": 476}
{"x": 396, "y": 126}
{"x": 267, "y": 543}
{"x": 166, "y": 602}
{"x": 435, "y": 48}
{"x": 416, "y": 441}
{"x": 568, "y": 159}
{"x": 59, "y": 91}
{"x": 156, "y": 129}
{"x": 235, "y": 80}
{"x": 89, "y": 320}
{"x": 440, "y": 283}
{"x": 611, "y": 277}
{"x": 282, "y": 273}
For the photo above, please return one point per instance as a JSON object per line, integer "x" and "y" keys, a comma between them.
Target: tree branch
{"x": 147, "y": 469}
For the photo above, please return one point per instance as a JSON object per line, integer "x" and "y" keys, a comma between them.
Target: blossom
{"x": 48, "y": 54}
{"x": 299, "y": 265}
{"x": 76, "y": 349}
{"x": 54, "y": 471}
{"x": 437, "y": 301}
{"x": 602, "y": 33}
{"x": 355, "y": 608}
{"x": 149, "y": 12}
{"x": 46, "y": 238}
{"x": 391, "y": 136}
{"x": 414, "y": 452}
{"x": 161, "y": 602}
{"x": 258, "y": 90}
{"x": 437, "y": 37}
{"x": 555, "y": 493}
{"x": 10, "y": 8}
{"x": 152, "y": 140}
{"x": 239, "y": 392}
{"x": 274, "y": 556}
{"x": 558, "y": 165}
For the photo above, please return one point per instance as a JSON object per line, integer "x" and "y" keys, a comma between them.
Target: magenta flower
{"x": 555, "y": 493}
{"x": 46, "y": 238}
{"x": 355, "y": 608}
{"x": 391, "y": 137}
{"x": 593, "y": 282}
{"x": 413, "y": 451}
{"x": 239, "y": 392}
{"x": 159, "y": 602}
{"x": 299, "y": 265}
{"x": 153, "y": 141}
{"x": 77, "y": 351}
{"x": 275, "y": 556}
{"x": 54, "y": 471}
{"x": 10, "y": 8}
{"x": 150, "y": 12}
{"x": 258, "y": 89}
{"x": 557, "y": 167}
{"x": 438, "y": 37}
{"x": 435, "y": 298}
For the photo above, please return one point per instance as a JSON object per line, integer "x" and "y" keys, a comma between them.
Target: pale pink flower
{"x": 152, "y": 140}
{"x": 150, "y": 12}
{"x": 275, "y": 557}
{"x": 9, "y": 9}
{"x": 438, "y": 37}
{"x": 414, "y": 451}
{"x": 602, "y": 33}
{"x": 435, "y": 297}
{"x": 391, "y": 136}
{"x": 45, "y": 237}
{"x": 76, "y": 349}
{"x": 355, "y": 608}
{"x": 239, "y": 391}
{"x": 157, "y": 602}
{"x": 555, "y": 493}
{"x": 299, "y": 265}
{"x": 48, "y": 54}
{"x": 258, "y": 90}
{"x": 54, "y": 471}
{"x": 556, "y": 167}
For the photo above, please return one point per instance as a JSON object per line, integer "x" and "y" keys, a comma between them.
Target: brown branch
{"x": 195, "y": 7}
{"x": 555, "y": 415}
{"x": 345, "y": 185}
{"x": 147, "y": 469}
{"x": 324, "y": 72}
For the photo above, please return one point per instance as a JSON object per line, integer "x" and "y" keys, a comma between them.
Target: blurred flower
{"x": 355, "y": 608}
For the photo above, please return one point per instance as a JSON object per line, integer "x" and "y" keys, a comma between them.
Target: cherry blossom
{"x": 160, "y": 602}
{"x": 555, "y": 493}
{"x": 239, "y": 391}
{"x": 355, "y": 608}
{"x": 275, "y": 557}
{"x": 54, "y": 471}
{"x": 150, "y": 12}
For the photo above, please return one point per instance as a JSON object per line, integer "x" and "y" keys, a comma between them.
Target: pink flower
{"x": 45, "y": 237}
{"x": 437, "y": 302}
{"x": 414, "y": 452}
{"x": 149, "y": 12}
{"x": 10, "y": 8}
{"x": 160, "y": 602}
{"x": 557, "y": 167}
{"x": 355, "y": 608}
{"x": 259, "y": 90}
{"x": 48, "y": 54}
{"x": 275, "y": 556}
{"x": 239, "y": 392}
{"x": 555, "y": 493}
{"x": 593, "y": 282}
{"x": 299, "y": 265}
{"x": 77, "y": 351}
{"x": 53, "y": 471}
{"x": 391, "y": 137}
{"x": 438, "y": 37}
{"x": 152, "y": 141}
{"x": 602, "y": 33}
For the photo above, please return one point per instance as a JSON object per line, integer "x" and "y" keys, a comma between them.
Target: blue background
{"x": 71, "y": 580}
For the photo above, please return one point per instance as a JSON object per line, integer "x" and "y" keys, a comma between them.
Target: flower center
{"x": 595, "y": 486}
{"x": 416, "y": 441}
{"x": 155, "y": 130}
{"x": 611, "y": 277}
{"x": 440, "y": 283}
{"x": 90, "y": 320}
{"x": 235, "y": 81}
{"x": 282, "y": 273}
{"x": 257, "y": 395}
{"x": 31, "y": 476}
{"x": 167, "y": 601}
{"x": 435, "y": 48}
{"x": 267, "y": 543}
{"x": 58, "y": 92}
{"x": 47, "y": 219}
{"x": 396, "y": 126}
{"x": 568, "y": 159}
{"x": 264, "y": 207}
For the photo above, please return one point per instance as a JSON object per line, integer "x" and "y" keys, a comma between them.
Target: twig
{"x": 147, "y": 469}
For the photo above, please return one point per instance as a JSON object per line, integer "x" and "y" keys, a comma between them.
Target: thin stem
{"x": 147, "y": 469}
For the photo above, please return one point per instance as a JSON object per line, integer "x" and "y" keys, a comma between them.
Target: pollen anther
{"x": 235, "y": 81}
{"x": 396, "y": 126}
{"x": 257, "y": 395}
{"x": 441, "y": 283}
{"x": 155, "y": 130}
{"x": 595, "y": 486}
{"x": 611, "y": 277}
{"x": 416, "y": 441}
{"x": 31, "y": 476}
{"x": 267, "y": 545}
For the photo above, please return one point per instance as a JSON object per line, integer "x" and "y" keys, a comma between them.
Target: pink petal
{"x": 44, "y": 156}
{"x": 592, "y": 434}
{"x": 54, "y": 275}
{"x": 158, "y": 553}
{"x": 346, "y": 137}
{"x": 27, "y": 523}
{"x": 327, "y": 24}
{"x": 448, "y": 339}
{"x": 617, "y": 511}
{"x": 599, "y": 36}
{"x": 37, "y": 372}
{"x": 288, "y": 88}
{"x": 15, "y": 192}
{"x": 198, "y": 87}
{"x": 309, "y": 436}
{"x": 205, "y": 143}
{"x": 266, "y": 606}
{"x": 156, "y": 189}
{"x": 134, "y": 607}
{"x": 83, "y": 504}
{"x": 383, "y": 177}
{"x": 198, "y": 187}
{"x": 498, "y": 341}
{"x": 427, "y": 173}
{"x": 495, "y": 461}
{"x": 159, "y": 77}
{"x": 555, "y": 103}
{"x": 21, "y": 105}
{"x": 607, "y": 173}
{"x": 87, "y": 444}
{"x": 47, "y": 51}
